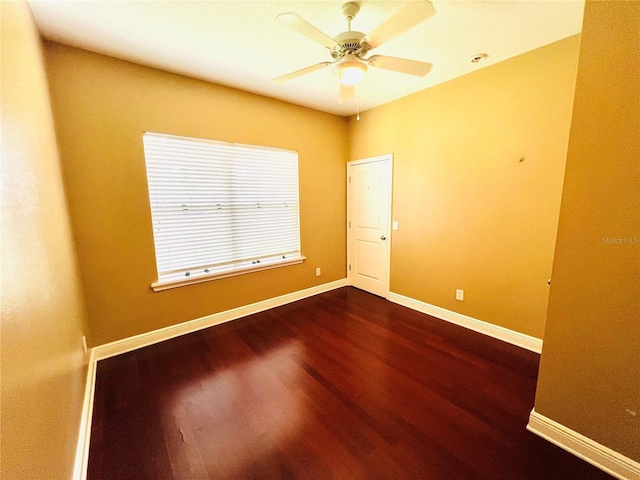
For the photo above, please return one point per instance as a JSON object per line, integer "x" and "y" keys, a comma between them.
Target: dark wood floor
{"x": 342, "y": 385}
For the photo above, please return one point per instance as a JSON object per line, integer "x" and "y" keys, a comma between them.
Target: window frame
{"x": 240, "y": 267}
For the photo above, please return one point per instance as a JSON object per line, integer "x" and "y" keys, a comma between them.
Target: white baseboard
{"x": 583, "y": 447}
{"x": 84, "y": 435}
{"x": 149, "y": 338}
{"x": 516, "y": 338}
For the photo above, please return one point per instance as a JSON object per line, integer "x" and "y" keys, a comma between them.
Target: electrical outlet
{"x": 84, "y": 344}
{"x": 459, "y": 294}
{"x": 318, "y": 272}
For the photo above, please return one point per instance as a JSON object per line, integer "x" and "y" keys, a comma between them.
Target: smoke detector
{"x": 478, "y": 58}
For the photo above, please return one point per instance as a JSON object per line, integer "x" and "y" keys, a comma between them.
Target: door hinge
{"x": 349, "y": 178}
{"x": 349, "y": 224}
{"x": 349, "y": 267}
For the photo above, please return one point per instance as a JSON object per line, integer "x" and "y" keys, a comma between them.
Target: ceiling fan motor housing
{"x": 349, "y": 42}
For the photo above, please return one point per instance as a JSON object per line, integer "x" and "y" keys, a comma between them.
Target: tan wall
{"x": 43, "y": 371}
{"x": 101, "y": 107}
{"x": 471, "y": 215}
{"x": 590, "y": 365}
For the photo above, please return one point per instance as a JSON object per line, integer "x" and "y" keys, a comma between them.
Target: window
{"x": 220, "y": 209}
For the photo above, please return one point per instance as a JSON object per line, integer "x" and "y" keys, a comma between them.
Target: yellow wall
{"x": 472, "y": 216}
{"x": 101, "y": 107}
{"x": 590, "y": 365}
{"x": 42, "y": 316}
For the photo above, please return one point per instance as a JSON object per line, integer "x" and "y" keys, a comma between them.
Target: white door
{"x": 368, "y": 221}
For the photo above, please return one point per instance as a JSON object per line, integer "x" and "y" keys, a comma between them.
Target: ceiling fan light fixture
{"x": 351, "y": 70}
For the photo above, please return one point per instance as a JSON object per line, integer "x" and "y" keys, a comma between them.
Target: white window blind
{"x": 220, "y": 208}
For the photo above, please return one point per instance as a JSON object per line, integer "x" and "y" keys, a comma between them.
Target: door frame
{"x": 380, "y": 158}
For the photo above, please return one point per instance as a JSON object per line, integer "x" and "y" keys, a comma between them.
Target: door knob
{"x": 382, "y": 237}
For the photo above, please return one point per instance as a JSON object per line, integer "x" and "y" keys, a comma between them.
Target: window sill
{"x": 160, "y": 286}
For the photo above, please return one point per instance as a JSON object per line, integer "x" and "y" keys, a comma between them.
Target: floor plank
{"x": 343, "y": 385}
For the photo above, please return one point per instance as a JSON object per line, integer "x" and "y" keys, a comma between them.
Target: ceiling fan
{"x": 349, "y": 49}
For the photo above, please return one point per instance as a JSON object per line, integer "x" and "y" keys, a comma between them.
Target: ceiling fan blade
{"x": 402, "y": 65}
{"x": 347, "y": 92}
{"x": 404, "y": 19}
{"x": 296, "y": 22}
{"x": 302, "y": 71}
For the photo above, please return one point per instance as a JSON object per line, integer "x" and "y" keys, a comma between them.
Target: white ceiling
{"x": 239, "y": 44}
